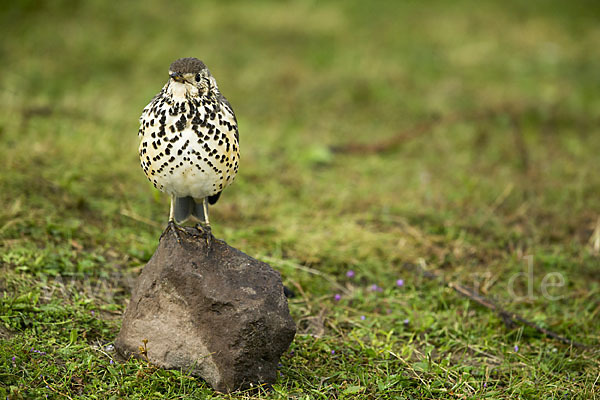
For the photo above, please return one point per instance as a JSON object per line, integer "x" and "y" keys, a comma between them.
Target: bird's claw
{"x": 206, "y": 232}
{"x": 172, "y": 226}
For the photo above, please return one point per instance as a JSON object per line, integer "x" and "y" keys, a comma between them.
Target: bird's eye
{"x": 198, "y": 77}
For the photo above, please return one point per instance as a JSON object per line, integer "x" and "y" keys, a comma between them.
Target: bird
{"x": 189, "y": 145}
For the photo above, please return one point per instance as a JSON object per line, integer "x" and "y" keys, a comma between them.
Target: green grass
{"x": 507, "y": 172}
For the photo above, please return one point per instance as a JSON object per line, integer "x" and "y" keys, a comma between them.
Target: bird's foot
{"x": 172, "y": 226}
{"x": 206, "y": 232}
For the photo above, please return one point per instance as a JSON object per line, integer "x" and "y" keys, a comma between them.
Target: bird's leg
{"x": 172, "y": 226}
{"x": 207, "y": 222}
{"x": 205, "y": 225}
{"x": 205, "y": 208}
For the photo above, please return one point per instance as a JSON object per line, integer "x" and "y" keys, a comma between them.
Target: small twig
{"x": 509, "y": 318}
{"x": 409, "y": 367}
{"x": 396, "y": 140}
{"x": 98, "y": 347}
{"x": 519, "y": 142}
{"x": 390, "y": 143}
{"x": 139, "y": 218}
{"x": 54, "y": 390}
{"x": 502, "y": 197}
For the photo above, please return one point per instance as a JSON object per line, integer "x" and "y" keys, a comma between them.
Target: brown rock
{"x": 212, "y": 311}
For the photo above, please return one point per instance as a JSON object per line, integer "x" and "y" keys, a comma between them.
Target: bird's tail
{"x": 186, "y": 207}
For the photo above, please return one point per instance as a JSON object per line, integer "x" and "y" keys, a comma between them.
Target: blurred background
{"x": 459, "y": 135}
{"x": 478, "y": 114}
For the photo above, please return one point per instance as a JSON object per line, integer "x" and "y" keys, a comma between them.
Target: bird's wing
{"x": 225, "y": 103}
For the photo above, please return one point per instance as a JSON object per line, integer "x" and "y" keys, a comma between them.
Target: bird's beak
{"x": 177, "y": 77}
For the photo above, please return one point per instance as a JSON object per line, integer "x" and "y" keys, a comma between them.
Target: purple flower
{"x": 516, "y": 348}
{"x": 111, "y": 362}
{"x": 376, "y": 288}
{"x": 337, "y": 297}
{"x": 14, "y": 358}
{"x": 400, "y": 282}
{"x": 484, "y": 384}
{"x": 362, "y": 317}
{"x": 406, "y": 321}
{"x": 332, "y": 351}
{"x": 350, "y": 273}
{"x": 93, "y": 313}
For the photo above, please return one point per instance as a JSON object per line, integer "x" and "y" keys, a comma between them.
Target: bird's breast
{"x": 189, "y": 148}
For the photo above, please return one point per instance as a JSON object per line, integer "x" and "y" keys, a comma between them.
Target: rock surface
{"x": 211, "y": 311}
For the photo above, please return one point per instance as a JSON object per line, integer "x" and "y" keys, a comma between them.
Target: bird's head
{"x": 190, "y": 75}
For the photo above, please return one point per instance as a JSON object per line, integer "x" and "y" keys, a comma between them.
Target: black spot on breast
{"x": 180, "y": 124}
